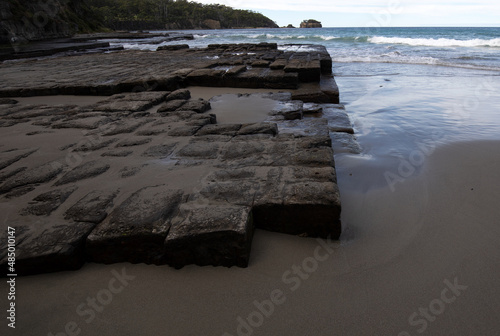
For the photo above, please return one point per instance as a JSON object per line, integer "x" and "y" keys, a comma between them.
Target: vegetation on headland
{"x": 170, "y": 14}
{"x": 27, "y": 20}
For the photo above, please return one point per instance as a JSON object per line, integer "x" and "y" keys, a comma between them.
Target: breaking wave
{"x": 440, "y": 42}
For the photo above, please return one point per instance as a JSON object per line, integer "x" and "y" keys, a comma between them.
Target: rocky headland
{"x": 148, "y": 174}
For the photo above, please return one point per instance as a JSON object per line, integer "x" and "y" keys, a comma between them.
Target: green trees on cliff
{"x": 180, "y": 14}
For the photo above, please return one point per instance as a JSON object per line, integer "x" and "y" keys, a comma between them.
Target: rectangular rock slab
{"x": 47, "y": 246}
{"x": 307, "y": 209}
{"x": 135, "y": 230}
{"x": 218, "y": 235}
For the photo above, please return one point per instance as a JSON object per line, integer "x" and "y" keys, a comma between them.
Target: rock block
{"x": 258, "y": 128}
{"x": 83, "y": 171}
{"x": 219, "y": 129}
{"x": 329, "y": 87}
{"x": 205, "y": 77}
{"x": 135, "y": 231}
{"x": 92, "y": 208}
{"x": 308, "y": 70}
{"x": 48, "y": 245}
{"x": 218, "y": 235}
{"x": 171, "y": 105}
{"x": 182, "y": 94}
{"x": 45, "y": 203}
{"x": 199, "y": 150}
{"x": 307, "y": 208}
{"x": 197, "y": 105}
{"x": 41, "y": 174}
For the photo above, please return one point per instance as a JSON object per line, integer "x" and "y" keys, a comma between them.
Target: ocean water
{"x": 473, "y": 48}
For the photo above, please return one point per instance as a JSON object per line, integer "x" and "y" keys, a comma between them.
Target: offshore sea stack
{"x": 311, "y": 24}
{"x": 148, "y": 175}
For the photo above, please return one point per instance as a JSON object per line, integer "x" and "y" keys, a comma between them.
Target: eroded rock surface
{"x": 150, "y": 176}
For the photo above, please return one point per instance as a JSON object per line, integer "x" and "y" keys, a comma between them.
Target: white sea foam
{"x": 441, "y": 42}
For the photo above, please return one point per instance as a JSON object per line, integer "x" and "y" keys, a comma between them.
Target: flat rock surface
{"x": 120, "y": 180}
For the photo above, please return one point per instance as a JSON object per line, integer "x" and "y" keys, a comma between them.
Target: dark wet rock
{"x": 83, "y": 123}
{"x": 92, "y": 144}
{"x": 117, "y": 153}
{"x": 44, "y": 204}
{"x": 329, "y": 87}
{"x": 83, "y": 171}
{"x": 232, "y": 174}
{"x": 117, "y": 104}
{"x": 219, "y": 129}
{"x": 7, "y": 174}
{"x": 312, "y": 108}
{"x": 151, "y": 131}
{"x": 129, "y": 171}
{"x": 92, "y": 207}
{"x": 38, "y": 132}
{"x": 133, "y": 142}
{"x": 315, "y": 142}
{"x": 19, "y": 191}
{"x": 59, "y": 112}
{"x": 345, "y": 143}
{"x": 236, "y": 70}
{"x": 260, "y": 64}
{"x": 201, "y": 120}
{"x": 284, "y": 180}
{"x": 9, "y": 123}
{"x": 6, "y": 159}
{"x": 173, "y": 47}
{"x": 135, "y": 231}
{"x": 243, "y": 150}
{"x": 205, "y": 77}
{"x": 160, "y": 151}
{"x": 324, "y": 174}
{"x": 290, "y": 110}
{"x": 264, "y": 78}
{"x": 278, "y": 64}
{"x": 8, "y": 101}
{"x": 311, "y": 209}
{"x": 258, "y": 128}
{"x": 316, "y": 157}
{"x": 198, "y": 106}
{"x": 171, "y": 105}
{"x": 121, "y": 127}
{"x": 212, "y": 235}
{"x": 50, "y": 246}
{"x": 231, "y": 192}
{"x": 154, "y": 97}
{"x": 338, "y": 120}
{"x": 181, "y": 94}
{"x": 41, "y": 174}
{"x": 199, "y": 150}
{"x": 311, "y": 95}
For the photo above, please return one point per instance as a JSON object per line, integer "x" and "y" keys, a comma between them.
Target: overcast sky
{"x": 375, "y": 13}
